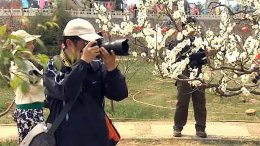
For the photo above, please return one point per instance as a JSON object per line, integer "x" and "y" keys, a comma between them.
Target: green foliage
{"x": 48, "y": 24}
{"x": 24, "y": 87}
{"x": 50, "y": 28}
{"x": 42, "y": 59}
{"x": 57, "y": 63}
{"x": 2, "y": 31}
{"x": 47, "y": 27}
{"x": 5, "y": 53}
{"x": 12, "y": 49}
{"x": 18, "y": 82}
{"x": 20, "y": 64}
{"x": 5, "y": 57}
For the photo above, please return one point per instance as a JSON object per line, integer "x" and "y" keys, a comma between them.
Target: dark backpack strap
{"x": 61, "y": 116}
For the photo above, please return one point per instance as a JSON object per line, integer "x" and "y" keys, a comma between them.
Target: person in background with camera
{"x": 88, "y": 73}
{"x": 187, "y": 91}
{"x": 29, "y": 105}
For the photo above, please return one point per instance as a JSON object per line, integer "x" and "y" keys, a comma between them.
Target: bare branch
{"x": 243, "y": 71}
{"x": 168, "y": 13}
{"x": 7, "y": 110}
{"x": 255, "y": 92}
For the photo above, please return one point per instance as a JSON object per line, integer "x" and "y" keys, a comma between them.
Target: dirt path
{"x": 159, "y": 133}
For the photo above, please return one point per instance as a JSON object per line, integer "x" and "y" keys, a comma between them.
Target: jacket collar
{"x": 65, "y": 59}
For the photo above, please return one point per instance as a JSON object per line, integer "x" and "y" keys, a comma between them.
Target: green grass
{"x": 9, "y": 143}
{"x": 156, "y": 100}
{"x": 6, "y": 95}
{"x": 153, "y": 98}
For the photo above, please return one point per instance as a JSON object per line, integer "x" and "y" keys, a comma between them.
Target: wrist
{"x": 111, "y": 67}
{"x": 85, "y": 59}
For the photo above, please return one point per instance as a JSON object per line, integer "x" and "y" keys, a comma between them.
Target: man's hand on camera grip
{"x": 108, "y": 58}
{"x": 90, "y": 52}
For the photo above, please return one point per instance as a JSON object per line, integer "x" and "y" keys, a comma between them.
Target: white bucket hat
{"x": 25, "y": 35}
{"x": 81, "y": 28}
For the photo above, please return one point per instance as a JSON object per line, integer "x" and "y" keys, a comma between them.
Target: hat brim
{"x": 90, "y": 37}
{"x": 31, "y": 38}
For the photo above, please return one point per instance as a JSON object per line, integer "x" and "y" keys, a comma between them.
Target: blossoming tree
{"x": 232, "y": 68}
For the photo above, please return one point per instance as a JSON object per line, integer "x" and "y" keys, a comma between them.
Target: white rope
{"x": 171, "y": 108}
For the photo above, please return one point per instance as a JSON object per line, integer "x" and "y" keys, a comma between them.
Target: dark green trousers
{"x": 197, "y": 94}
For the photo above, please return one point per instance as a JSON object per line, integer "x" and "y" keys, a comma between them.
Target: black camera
{"x": 198, "y": 59}
{"x": 256, "y": 78}
{"x": 120, "y": 47}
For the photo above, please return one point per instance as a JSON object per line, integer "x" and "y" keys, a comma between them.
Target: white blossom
{"x": 212, "y": 89}
{"x": 232, "y": 56}
{"x": 179, "y": 36}
{"x": 134, "y": 54}
{"x": 143, "y": 54}
{"x": 232, "y": 49}
{"x": 245, "y": 91}
{"x": 245, "y": 78}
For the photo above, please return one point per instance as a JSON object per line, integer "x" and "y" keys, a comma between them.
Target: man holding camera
{"x": 187, "y": 91}
{"x": 77, "y": 73}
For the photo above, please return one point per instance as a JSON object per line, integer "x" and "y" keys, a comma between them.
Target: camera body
{"x": 198, "y": 59}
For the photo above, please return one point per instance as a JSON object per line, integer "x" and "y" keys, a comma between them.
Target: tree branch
{"x": 7, "y": 110}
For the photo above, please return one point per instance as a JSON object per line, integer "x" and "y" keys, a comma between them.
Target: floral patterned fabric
{"x": 26, "y": 119}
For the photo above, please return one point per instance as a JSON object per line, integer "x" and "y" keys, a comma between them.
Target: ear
{"x": 69, "y": 42}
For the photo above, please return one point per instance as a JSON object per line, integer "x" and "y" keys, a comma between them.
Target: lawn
{"x": 154, "y": 98}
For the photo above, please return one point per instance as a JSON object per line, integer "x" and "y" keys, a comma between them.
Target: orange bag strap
{"x": 112, "y": 132}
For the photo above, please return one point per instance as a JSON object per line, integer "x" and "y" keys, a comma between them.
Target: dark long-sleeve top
{"x": 84, "y": 124}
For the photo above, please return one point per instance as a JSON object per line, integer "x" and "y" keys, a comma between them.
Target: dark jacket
{"x": 85, "y": 124}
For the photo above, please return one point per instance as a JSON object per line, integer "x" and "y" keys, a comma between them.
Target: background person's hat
{"x": 25, "y": 35}
{"x": 81, "y": 28}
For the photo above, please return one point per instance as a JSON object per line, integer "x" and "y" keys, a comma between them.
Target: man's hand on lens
{"x": 108, "y": 58}
{"x": 90, "y": 52}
